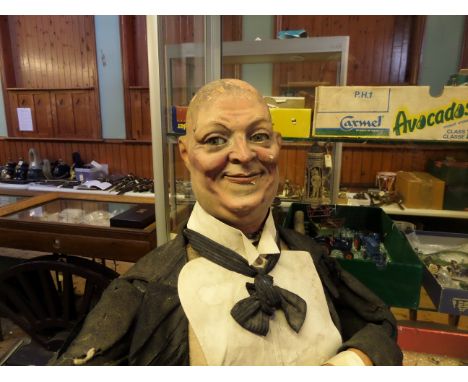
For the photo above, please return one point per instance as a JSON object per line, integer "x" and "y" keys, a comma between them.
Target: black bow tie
{"x": 254, "y": 312}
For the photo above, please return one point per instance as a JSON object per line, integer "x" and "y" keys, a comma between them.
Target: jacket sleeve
{"x": 366, "y": 321}
{"x": 105, "y": 336}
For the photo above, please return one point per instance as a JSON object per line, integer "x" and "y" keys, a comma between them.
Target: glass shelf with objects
{"x": 285, "y": 71}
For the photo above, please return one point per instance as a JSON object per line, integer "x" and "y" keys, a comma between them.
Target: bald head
{"x": 213, "y": 91}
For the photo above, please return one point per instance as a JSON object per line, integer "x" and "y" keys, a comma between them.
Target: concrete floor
{"x": 12, "y": 333}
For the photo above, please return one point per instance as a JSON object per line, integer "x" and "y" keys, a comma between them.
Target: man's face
{"x": 232, "y": 152}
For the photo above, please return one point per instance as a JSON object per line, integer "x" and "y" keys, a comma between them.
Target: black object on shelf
{"x": 140, "y": 216}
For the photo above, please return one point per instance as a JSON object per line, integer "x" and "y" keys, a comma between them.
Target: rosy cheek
{"x": 269, "y": 156}
{"x": 208, "y": 164}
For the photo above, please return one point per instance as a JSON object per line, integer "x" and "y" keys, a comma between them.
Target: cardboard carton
{"x": 292, "y": 123}
{"x": 420, "y": 190}
{"x": 391, "y": 112}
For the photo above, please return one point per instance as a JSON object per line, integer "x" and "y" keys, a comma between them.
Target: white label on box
{"x": 328, "y": 161}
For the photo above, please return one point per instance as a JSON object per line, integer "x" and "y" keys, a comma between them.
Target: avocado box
{"x": 391, "y": 113}
{"x": 398, "y": 282}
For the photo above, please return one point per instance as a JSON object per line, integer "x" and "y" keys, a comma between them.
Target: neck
{"x": 249, "y": 228}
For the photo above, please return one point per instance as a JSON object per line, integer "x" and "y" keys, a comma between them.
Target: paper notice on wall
{"x": 24, "y": 119}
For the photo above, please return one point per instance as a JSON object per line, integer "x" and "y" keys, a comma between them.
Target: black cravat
{"x": 254, "y": 312}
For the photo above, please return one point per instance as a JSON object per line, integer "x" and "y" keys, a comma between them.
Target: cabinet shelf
{"x": 49, "y": 89}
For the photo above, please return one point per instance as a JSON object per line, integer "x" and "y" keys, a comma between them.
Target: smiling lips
{"x": 239, "y": 178}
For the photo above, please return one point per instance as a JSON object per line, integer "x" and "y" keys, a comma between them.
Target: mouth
{"x": 243, "y": 178}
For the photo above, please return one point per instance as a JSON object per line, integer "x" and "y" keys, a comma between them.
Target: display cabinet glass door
{"x": 187, "y": 61}
{"x": 177, "y": 47}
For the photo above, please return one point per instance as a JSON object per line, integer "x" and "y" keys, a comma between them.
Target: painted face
{"x": 232, "y": 154}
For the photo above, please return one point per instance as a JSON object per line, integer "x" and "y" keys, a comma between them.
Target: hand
{"x": 349, "y": 357}
{"x": 367, "y": 361}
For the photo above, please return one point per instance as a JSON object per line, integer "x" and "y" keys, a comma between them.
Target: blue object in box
{"x": 296, "y": 33}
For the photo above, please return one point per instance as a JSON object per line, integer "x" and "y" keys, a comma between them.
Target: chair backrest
{"x": 47, "y": 296}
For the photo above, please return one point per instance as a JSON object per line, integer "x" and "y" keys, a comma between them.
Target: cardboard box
{"x": 292, "y": 123}
{"x": 140, "y": 216}
{"x": 391, "y": 112}
{"x": 399, "y": 282}
{"x": 446, "y": 300}
{"x": 285, "y": 102}
{"x": 420, "y": 190}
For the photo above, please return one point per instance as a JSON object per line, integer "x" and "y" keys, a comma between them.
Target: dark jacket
{"x": 140, "y": 321}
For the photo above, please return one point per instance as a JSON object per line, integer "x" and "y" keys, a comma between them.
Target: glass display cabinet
{"x": 295, "y": 67}
{"x": 79, "y": 225}
{"x": 9, "y": 199}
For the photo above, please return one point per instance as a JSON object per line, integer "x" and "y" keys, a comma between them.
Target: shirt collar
{"x": 207, "y": 225}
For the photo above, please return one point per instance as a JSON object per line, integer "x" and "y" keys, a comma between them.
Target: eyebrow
{"x": 256, "y": 122}
{"x": 212, "y": 127}
{"x": 217, "y": 125}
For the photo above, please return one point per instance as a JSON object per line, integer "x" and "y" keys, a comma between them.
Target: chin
{"x": 244, "y": 205}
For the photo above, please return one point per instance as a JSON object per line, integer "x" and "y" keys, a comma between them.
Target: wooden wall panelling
{"x": 53, "y": 51}
{"x": 135, "y": 77}
{"x": 53, "y": 58}
{"x": 84, "y": 114}
{"x": 231, "y": 30}
{"x": 145, "y": 115}
{"x": 8, "y": 72}
{"x": 138, "y": 155}
{"x": 375, "y": 41}
{"x": 11, "y": 104}
{"x": 144, "y": 164}
{"x": 43, "y": 114}
{"x": 64, "y": 109}
{"x": 464, "y": 53}
{"x": 397, "y": 51}
{"x": 142, "y": 73}
{"x": 356, "y": 169}
{"x": 135, "y": 113}
{"x": 130, "y": 156}
{"x": 360, "y": 162}
{"x": 40, "y": 105}
{"x": 346, "y": 166}
{"x": 415, "y": 48}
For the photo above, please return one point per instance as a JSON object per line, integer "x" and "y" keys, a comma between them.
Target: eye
{"x": 260, "y": 137}
{"x": 215, "y": 141}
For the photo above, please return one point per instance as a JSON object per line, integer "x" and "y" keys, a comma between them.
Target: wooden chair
{"x": 49, "y": 296}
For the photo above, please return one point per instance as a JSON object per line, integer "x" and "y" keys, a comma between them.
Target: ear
{"x": 183, "y": 150}
{"x": 279, "y": 139}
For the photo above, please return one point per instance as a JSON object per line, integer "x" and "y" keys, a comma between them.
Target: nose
{"x": 241, "y": 151}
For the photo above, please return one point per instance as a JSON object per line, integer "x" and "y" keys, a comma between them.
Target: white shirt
{"x": 208, "y": 292}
